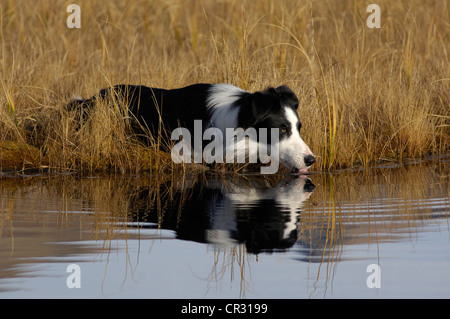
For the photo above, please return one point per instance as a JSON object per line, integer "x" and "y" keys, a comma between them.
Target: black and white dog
{"x": 218, "y": 106}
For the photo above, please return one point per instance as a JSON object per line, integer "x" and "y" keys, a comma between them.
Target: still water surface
{"x": 241, "y": 237}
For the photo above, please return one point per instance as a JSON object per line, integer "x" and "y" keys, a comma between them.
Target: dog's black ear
{"x": 283, "y": 89}
{"x": 287, "y": 96}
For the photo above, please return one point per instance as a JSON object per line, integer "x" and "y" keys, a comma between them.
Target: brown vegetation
{"x": 365, "y": 94}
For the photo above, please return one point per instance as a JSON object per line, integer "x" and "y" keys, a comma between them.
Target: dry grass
{"x": 365, "y": 94}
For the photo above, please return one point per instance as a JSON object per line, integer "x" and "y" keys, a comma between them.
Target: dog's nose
{"x": 309, "y": 160}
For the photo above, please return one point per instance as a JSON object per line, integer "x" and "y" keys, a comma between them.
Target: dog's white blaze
{"x": 293, "y": 149}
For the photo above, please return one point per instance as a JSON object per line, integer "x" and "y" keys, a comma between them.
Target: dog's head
{"x": 277, "y": 108}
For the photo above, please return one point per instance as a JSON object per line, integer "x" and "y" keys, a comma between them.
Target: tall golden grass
{"x": 365, "y": 94}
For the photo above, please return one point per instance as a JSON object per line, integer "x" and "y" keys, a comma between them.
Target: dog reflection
{"x": 224, "y": 213}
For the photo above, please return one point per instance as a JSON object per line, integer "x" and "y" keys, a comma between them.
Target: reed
{"x": 366, "y": 95}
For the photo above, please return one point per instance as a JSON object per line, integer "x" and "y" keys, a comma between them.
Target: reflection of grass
{"x": 228, "y": 262}
{"x": 369, "y": 208}
{"x": 365, "y": 94}
{"x": 323, "y": 237}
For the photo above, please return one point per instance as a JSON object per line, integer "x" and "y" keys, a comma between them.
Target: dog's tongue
{"x": 303, "y": 171}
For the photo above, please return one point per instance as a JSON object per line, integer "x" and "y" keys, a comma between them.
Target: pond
{"x": 377, "y": 233}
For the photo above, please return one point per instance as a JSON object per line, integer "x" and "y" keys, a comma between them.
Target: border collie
{"x": 218, "y": 106}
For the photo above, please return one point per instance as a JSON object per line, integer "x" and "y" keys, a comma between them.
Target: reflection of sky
{"x": 413, "y": 268}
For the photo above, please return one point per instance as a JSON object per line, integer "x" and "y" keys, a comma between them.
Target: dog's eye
{"x": 283, "y": 130}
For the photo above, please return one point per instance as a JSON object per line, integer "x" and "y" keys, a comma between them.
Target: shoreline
{"x": 189, "y": 169}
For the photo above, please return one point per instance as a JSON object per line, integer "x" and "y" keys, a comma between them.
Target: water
{"x": 219, "y": 237}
